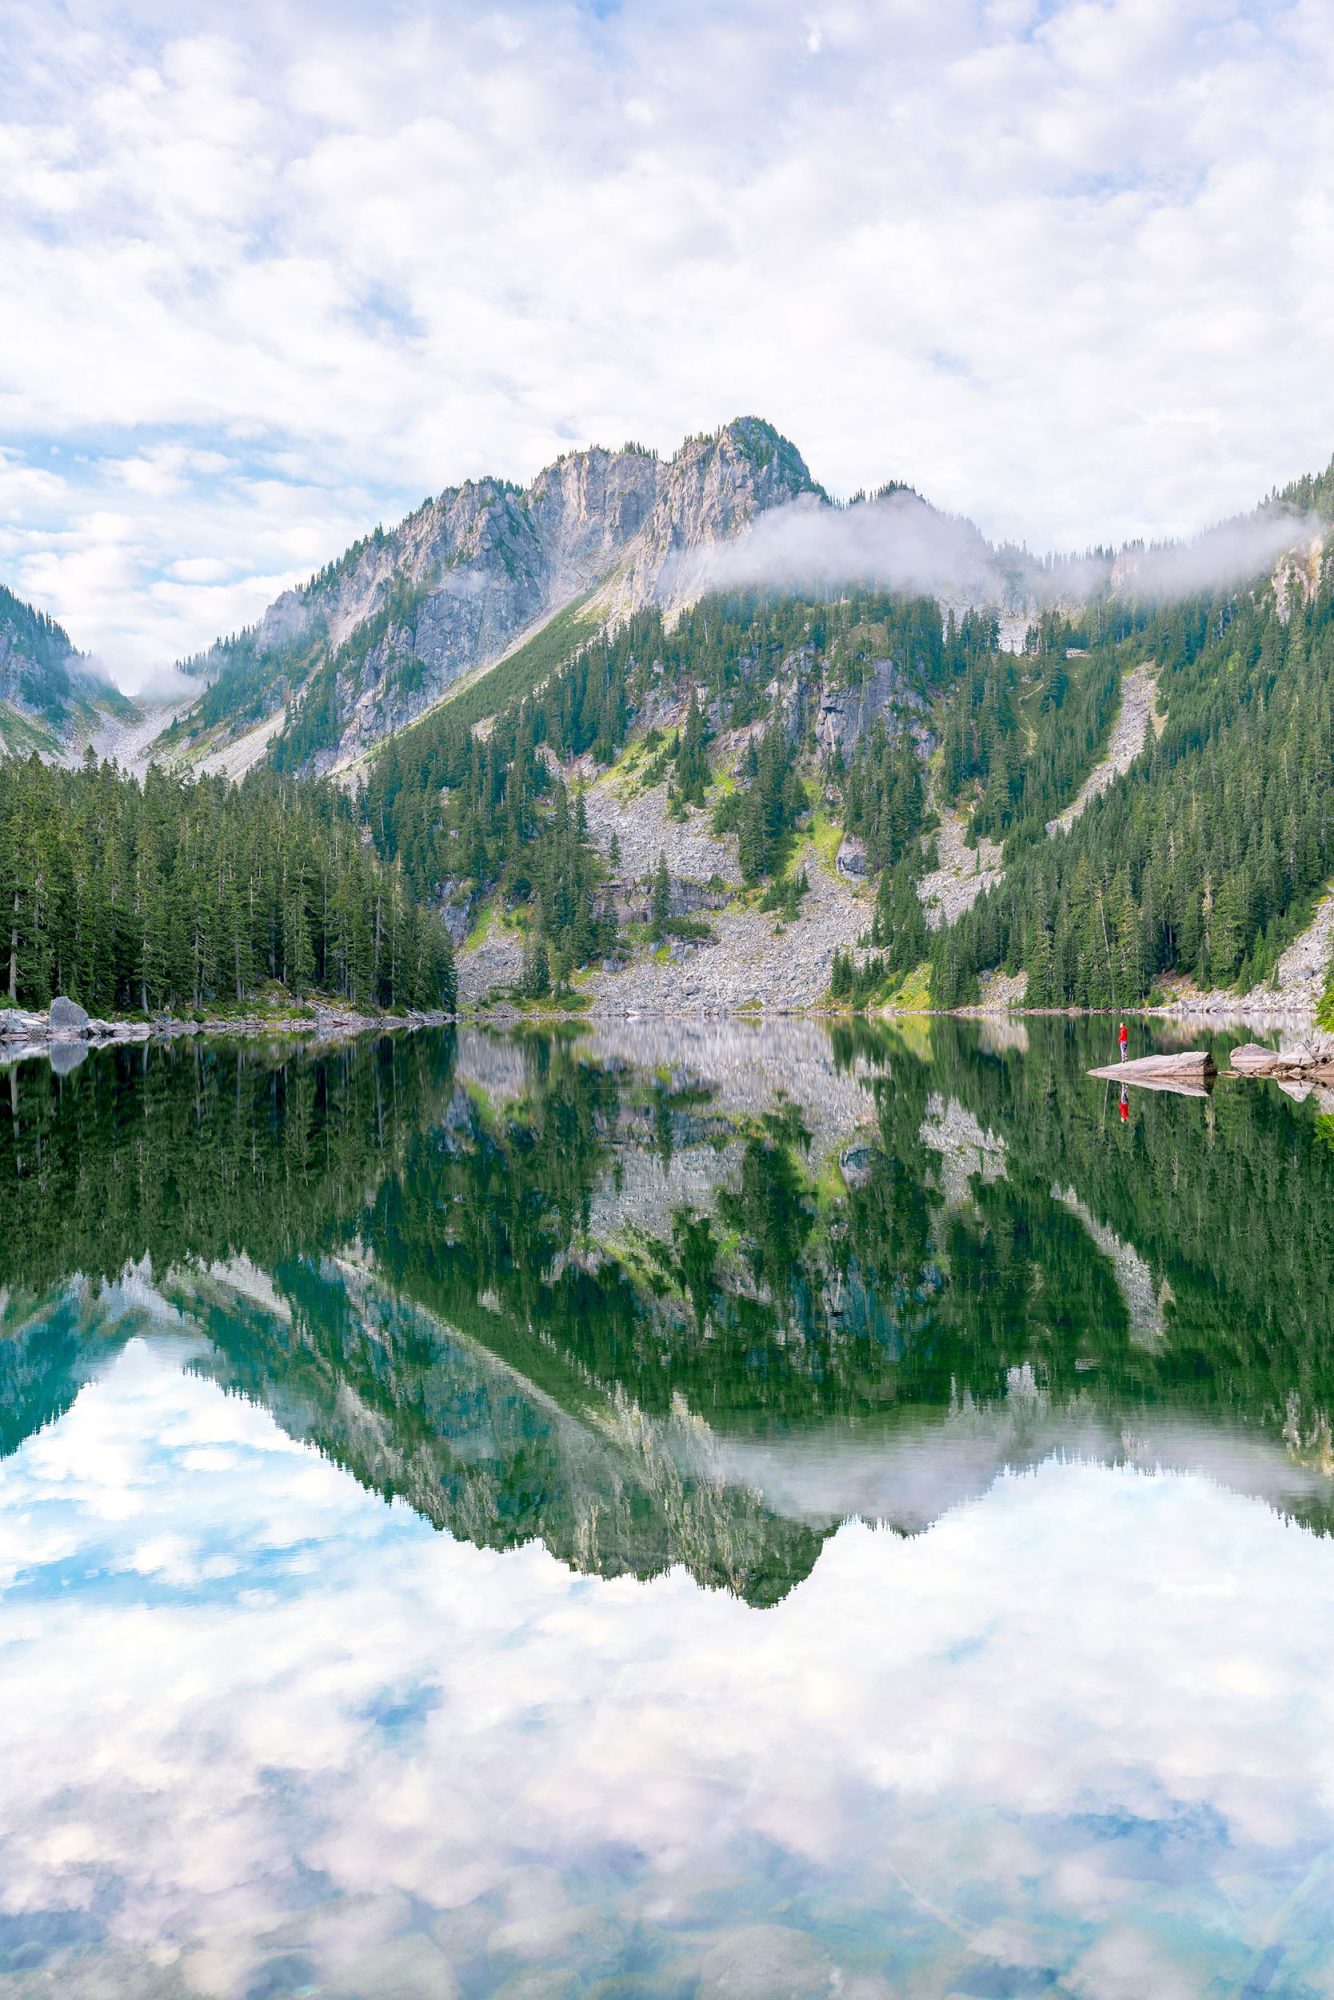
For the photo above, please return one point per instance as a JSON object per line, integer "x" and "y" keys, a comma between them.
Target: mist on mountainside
{"x": 899, "y": 542}
{"x": 1223, "y": 556}
{"x": 894, "y": 542}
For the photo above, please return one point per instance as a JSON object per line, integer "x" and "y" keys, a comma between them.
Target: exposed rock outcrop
{"x": 961, "y": 874}
{"x": 845, "y": 713}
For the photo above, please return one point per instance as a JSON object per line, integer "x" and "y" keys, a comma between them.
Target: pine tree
{"x": 661, "y": 909}
{"x": 536, "y": 978}
{"x": 692, "y": 769}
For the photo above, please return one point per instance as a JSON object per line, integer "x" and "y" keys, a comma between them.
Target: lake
{"x": 688, "y": 1508}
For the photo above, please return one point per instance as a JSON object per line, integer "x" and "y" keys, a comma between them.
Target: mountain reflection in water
{"x": 991, "y": 1421}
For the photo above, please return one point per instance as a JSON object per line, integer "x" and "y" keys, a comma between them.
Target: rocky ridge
{"x": 382, "y": 634}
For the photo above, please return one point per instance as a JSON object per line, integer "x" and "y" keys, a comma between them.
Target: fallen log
{"x": 1191, "y": 1066}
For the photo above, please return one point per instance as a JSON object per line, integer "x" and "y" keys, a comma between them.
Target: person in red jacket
{"x": 1123, "y": 1038}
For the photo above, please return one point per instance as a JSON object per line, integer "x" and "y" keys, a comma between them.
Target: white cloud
{"x": 1070, "y": 270}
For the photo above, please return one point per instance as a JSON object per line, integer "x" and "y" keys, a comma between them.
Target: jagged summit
{"x": 380, "y": 634}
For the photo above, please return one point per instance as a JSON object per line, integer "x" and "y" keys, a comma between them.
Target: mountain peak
{"x": 386, "y": 629}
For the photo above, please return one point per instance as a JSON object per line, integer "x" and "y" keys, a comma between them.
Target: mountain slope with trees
{"x": 547, "y": 713}
{"x": 49, "y": 694}
{"x": 765, "y": 716}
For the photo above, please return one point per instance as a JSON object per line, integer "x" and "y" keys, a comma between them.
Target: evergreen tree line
{"x": 179, "y": 892}
{"x": 884, "y": 796}
{"x": 490, "y": 813}
{"x": 1020, "y": 739}
{"x": 763, "y": 814}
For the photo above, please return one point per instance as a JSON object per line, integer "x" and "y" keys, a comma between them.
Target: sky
{"x": 271, "y": 274}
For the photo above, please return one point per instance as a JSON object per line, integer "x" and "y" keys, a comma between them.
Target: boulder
{"x": 1254, "y": 1060}
{"x": 67, "y": 1017}
{"x": 1189, "y": 1066}
{"x": 1311, "y": 1049}
{"x": 1298, "y": 1055}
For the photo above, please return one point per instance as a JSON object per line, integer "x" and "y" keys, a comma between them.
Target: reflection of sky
{"x": 263, "y": 1734}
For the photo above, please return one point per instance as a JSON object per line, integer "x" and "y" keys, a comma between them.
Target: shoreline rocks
{"x": 1309, "y": 1055}
{"x": 66, "y": 1032}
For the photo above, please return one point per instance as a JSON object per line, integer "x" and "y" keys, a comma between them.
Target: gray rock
{"x": 67, "y": 1017}
{"x": 1252, "y": 1059}
{"x": 18, "y": 1026}
{"x": 67, "y": 1055}
{"x": 844, "y": 714}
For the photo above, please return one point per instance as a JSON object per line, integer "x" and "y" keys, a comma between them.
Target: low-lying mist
{"x": 899, "y": 543}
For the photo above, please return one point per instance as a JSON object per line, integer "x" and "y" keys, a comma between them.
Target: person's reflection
{"x": 1125, "y": 1105}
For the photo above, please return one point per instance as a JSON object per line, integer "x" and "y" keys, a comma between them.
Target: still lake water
{"x": 684, "y": 1510}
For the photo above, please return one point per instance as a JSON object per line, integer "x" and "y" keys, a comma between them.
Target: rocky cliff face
{"x": 385, "y": 631}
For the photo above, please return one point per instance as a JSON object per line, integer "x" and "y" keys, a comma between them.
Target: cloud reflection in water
{"x": 264, "y": 1734}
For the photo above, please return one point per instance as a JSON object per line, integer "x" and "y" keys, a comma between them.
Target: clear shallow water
{"x": 547, "y": 1518}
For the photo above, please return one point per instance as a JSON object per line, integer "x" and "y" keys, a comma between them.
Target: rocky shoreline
{"x": 65, "y": 1032}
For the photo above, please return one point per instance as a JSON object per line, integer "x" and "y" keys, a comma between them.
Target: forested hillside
{"x": 478, "y": 814}
{"x": 1204, "y": 860}
{"x": 46, "y": 687}
{"x": 766, "y": 716}
{"x": 182, "y": 893}
{"x": 1053, "y": 769}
